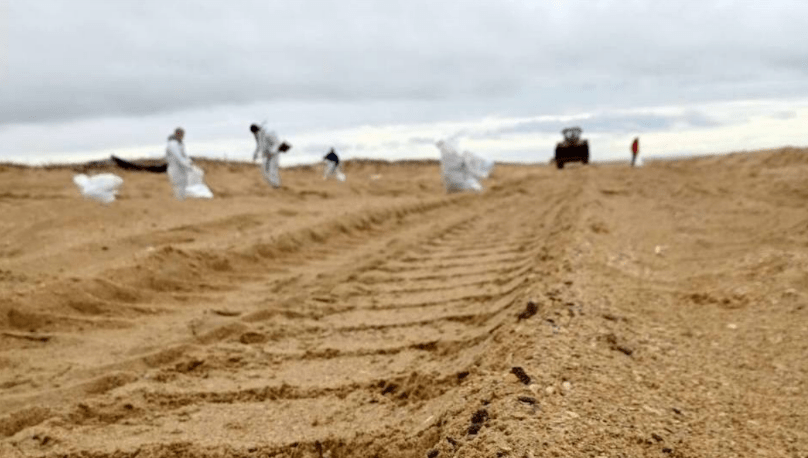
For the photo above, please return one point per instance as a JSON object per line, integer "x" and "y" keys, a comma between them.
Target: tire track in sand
{"x": 357, "y": 340}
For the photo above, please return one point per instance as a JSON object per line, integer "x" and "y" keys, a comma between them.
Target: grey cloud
{"x": 613, "y": 123}
{"x": 391, "y": 145}
{"x": 84, "y": 58}
{"x": 619, "y": 123}
{"x": 419, "y": 141}
{"x": 784, "y": 115}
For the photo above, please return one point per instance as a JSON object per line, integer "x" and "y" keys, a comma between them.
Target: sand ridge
{"x": 594, "y": 311}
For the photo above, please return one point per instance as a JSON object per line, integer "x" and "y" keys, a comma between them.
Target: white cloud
{"x": 85, "y": 58}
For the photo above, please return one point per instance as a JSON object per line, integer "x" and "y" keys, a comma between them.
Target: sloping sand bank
{"x": 597, "y": 311}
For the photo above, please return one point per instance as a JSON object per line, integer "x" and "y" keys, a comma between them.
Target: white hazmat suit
{"x": 186, "y": 178}
{"x": 332, "y": 166}
{"x": 267, "y": 147}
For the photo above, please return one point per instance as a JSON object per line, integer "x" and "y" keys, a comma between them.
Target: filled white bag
{"x": 196, "y": 187}
{"x": 478, "y": 166}
{"x": 330, "y": 169}
{"x": 455, "y": 172}
{"x": 101, "y": 188}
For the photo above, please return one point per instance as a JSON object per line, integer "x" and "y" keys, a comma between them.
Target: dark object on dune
{"x": 477, "y": 421}
{"x": 152, "y": 168}
{"x": 284, "y": 147}
{"x": 572, "y": 149}
{"x": 530, "y": 310}
{"x": 521, "y": 375}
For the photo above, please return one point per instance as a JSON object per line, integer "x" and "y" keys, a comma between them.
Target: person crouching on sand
{"x": 269, "y": 148}
{"x": 332, "y": 167}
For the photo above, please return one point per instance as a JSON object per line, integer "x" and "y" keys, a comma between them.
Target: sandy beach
{"x": 597, "y": 311}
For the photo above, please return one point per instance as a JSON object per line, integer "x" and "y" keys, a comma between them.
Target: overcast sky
{"x": 84, "y": 78}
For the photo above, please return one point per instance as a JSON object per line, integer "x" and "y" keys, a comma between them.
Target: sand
{"x": 598, "y": 311}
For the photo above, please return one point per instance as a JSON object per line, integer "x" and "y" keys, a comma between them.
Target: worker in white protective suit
{"x": 186, "y": 178}
{"x": 269, "y": 147}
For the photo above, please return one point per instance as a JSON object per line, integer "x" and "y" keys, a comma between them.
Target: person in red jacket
{"x": 635, "y": 150}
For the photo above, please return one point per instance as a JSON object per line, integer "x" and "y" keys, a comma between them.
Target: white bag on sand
{"x": 102, "y": 187}
{"x": 455, "y": 171}
{"x": 196, "y": 187}
{"x": 189, "y": 183}
{"x": 332, "y": 169}
{"x": 478, "y": 166}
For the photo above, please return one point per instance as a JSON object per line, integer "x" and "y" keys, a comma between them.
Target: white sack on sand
{"x": 101, "y": 188}
{"x": 196, "y": 187}
{"x": 478, "y": 166}
{"x": 456, "y": 174}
